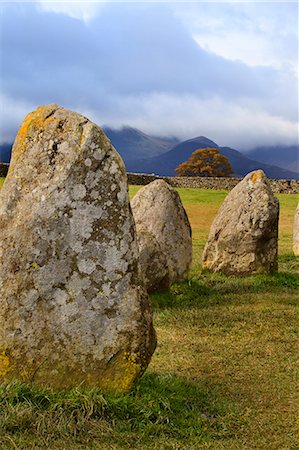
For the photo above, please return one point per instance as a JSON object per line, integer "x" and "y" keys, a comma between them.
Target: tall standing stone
{"x": 243, "y": 236}
{"x": 296, "y": 232}
{"x": 72, "y": 310}
{"x": 164, "y": 235}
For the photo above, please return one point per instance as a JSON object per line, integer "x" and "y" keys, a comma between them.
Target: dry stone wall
{"x": 227, "y": 184}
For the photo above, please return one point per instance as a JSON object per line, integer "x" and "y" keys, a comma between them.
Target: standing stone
{"x": 164, "y": 235}
{"x": 153, "y": 262}
{"x": 243, "y": 236}
{"x": 72, "y": 310}
{"x": 296, "y": 232}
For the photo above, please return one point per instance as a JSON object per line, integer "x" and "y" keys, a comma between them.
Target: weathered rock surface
{"x": 72, "y": 310}
{"x": 296, "y": 232}
{"x": 164, "y": 235}
{"x": 243, "y": 236}
{"x": 153, "y": 262}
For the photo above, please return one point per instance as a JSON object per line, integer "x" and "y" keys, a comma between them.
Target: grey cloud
{"x": 125, "y": 54}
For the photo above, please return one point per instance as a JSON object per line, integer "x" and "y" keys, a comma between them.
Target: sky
{"x": 224, "y": 70}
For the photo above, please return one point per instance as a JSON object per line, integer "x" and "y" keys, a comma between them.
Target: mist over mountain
{"x": 242, "y": 165}
{"x": 132, "y": 143}
{"x": 285, "y": 156}
{"x": 151, "y": 154}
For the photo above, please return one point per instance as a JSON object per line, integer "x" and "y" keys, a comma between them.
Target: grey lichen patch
{"x": 79, "y": 192}
{"x": 86, "y": 266}
{"x": 99, "y": 154}
{"x": 70, "y": 293}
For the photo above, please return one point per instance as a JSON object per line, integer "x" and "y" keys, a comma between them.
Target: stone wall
{"x": 3, "y": 169}
{"x": 277, "y": 186}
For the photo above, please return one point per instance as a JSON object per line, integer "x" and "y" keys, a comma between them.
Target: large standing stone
{"x": 164, "y": 235}
{"x": 296, "y": 232}
{"x": 243, "y": 236}
{"x": 72, "y": 310}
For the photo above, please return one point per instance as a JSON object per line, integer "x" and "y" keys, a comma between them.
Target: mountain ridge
{"x": 130, "y": 141}
{"x": 145, "y": 153}
{"x": 286, "y": 156}
{"x": 166, "y": 163}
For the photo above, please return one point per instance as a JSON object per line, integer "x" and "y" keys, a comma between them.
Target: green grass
{"x": 202, "y": 205}
{"x": 224, "y": 375}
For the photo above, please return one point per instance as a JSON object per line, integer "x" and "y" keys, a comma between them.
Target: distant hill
{"x": 151, "y": 154}
{"x": 285, "y": 156}
{"x": 5, "y": 152}
{"x": 133, "y": 144}
{"x": 166, "y": 163}
{"x": 242, "y": 165}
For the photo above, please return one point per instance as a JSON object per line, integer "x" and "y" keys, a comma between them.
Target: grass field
{"x": 224, "y": 375}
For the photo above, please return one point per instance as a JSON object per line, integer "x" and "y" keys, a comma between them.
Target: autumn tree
{"x": 205, "y": 162}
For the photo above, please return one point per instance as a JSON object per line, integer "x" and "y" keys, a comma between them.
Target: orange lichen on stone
{"x": 60, "y": 203}
{"x": 126, "y": 369}
{"x": 4, "y": 364}
{"x": 256, "y": 176}
{"x": 33, "y": 121}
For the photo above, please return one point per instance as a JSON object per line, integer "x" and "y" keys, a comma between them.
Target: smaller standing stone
{"x": 153, "y": 262}
{"x": 164, "y": 235}
{"x": 244, "y": 235}
{"x": 296, "y": 233}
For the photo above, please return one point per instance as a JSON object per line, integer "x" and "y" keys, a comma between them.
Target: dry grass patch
{"x": 202, "y": 205}
{"x": 241, "y": 343}
{"x": 224, "y": 375}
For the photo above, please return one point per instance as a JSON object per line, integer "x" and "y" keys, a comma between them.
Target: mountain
{"x": 131, "y": 143}
{"x": 286, "y": 156}
{"x": 166, "y": 163}
{"x": 242, "y": 165}
{"x": 134, "y": 144}
{"x": 151, "y": 154}
{"x": 5, "y": 152}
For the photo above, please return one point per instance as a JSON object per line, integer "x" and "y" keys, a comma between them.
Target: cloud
{"x": 255, "y": 33}
{"x": 12, "y": 112}
{"x": 229, "y": 124}
{"x": 85, "y": 11}
{"x": 138, "y": 64}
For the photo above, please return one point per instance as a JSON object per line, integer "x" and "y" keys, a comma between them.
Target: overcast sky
{"x": 228, "y": 71}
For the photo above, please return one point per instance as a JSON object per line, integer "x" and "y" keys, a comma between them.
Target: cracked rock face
{"x": 243, "y": 236}
{"x": 72, "y": 310}
{"x": 164, "y": 235}
{"x": 296, "y": 232}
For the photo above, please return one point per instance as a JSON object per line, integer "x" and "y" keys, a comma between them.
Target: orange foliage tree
{"x": 205, "y": 162}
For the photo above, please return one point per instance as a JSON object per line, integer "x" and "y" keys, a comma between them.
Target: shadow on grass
{"x": 160, "y": 408}
{"x": 289, "y": 263}
{"x": 214, "y": 288}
